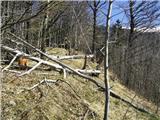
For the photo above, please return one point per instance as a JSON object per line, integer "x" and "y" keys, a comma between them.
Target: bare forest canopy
{"x": 34, "y": 28}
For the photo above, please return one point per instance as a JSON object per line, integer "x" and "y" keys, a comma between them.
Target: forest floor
{"x": 64, "y": 102}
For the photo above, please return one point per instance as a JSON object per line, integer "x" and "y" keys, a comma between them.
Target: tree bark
{"x": 106, "y": 75}
{"x": 132, "y": 26}
{"x": 94, "y": 27}
{"x": 43, "y": 32}
{"x": 85, "y": 62}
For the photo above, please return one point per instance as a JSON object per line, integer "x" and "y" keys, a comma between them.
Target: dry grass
{"x": 59, "y": 101}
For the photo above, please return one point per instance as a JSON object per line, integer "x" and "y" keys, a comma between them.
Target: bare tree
{"x": 95, "y": 7}
{"x": 142, "y": 17}
{"x": 106, "y": 76}
{"x": 132, "y": 27}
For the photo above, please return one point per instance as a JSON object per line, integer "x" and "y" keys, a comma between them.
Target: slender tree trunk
{"x": 27, "y": 25}
{"x": 43, "y": 36}
{"x": 106, "y": 76}
{"x": 12, "y": 14}
{"x": 76, "y": 36}
{"x": 85, "y": 62}
{"x": 94, "y": 28}
{"x": 27, "y": 35}
{"x": 132, "y": 26}
{"x": 44, "y": 32}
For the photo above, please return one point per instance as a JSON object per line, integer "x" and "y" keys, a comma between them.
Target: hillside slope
{"x": 75, "y": 99}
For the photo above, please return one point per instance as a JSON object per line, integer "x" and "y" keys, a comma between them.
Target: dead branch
{"x": 115, "y": 95}
{"x": 18, "y": 43}
{"x": 41, "y": 82}
{"x": 11, "y": 61}
{"x": 124, "y": 116}
{"x": 13, "y": 71}
{"x": 72, "y": 57}
{"x": 86, "y": 114}
{"x": 65, "y": 74}
{"x": 33, "y": 68}
{"x": 90, "y": 72}
{"x": 96, "y": 82}
{"x": 20, "y": 20}
{"x": 30, "y": 57}
{"x": 56, "y": 66}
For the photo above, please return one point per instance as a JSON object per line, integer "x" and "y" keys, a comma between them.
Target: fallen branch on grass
{"x": 11, "y": 61}
{"x": 13, "y": 71}
{"x": 41, "y": 82}
{"x": 89, "y": 72}
{"x": 115, "y": 95}
{"x": 3, "y": 61}
{"x": 33, "y": 68}
{"x": 124, "y": 116}
{"x": 71, "y": 57}
{"x": 96, "y": 82}
{"x": 41, "y": 61}
{"x": 82, "y": 101}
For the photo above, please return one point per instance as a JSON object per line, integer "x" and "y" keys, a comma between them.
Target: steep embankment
{"x": 75, "y": 100}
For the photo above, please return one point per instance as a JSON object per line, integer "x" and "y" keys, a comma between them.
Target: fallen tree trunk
{"x": 90, "y": 72}
{"x": 71, "y": 57}
{"x": 115, "y": 95}
{"x": 96, "y": 82}
{"x": 29, "y": 56}
{"x": 41, "y": 61}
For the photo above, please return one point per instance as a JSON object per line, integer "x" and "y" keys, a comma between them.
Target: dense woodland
{"x": 129, "y": 50}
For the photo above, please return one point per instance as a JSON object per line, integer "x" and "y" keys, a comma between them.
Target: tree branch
{"x": 26, "y": 19}
{"x": 33, "y": 68}
{"x": 11, "y": 61}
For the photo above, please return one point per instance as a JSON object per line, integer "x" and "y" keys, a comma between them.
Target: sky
{"x": 117, "y": 13}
